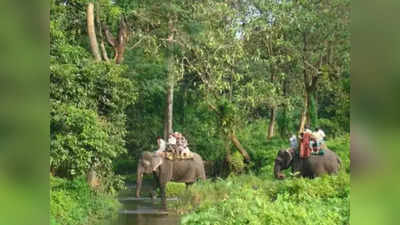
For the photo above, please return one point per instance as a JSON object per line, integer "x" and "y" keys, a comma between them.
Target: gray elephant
{"x": 165, "y": 170}
{"x": 314, "y": 166}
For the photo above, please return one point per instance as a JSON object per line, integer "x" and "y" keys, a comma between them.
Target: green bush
{"x": 174, "y": 189}
{"x": 125, "y": 165}
{"x": 237, "y": 165}
{"x": 251, "y": 200}
{"x": 72, "y": 202}
{"x": 331, "y": 128}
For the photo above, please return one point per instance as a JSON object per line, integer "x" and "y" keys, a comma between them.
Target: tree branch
{"x": 237, "y": 144}
{"x": 109, "y": 37}
{"x": 313, "y": 67}
{"x": 136, "y": 44}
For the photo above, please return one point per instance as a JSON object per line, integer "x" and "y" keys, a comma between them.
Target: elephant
{"x": 164, "y": 170}
{"x": 311, "y": 167}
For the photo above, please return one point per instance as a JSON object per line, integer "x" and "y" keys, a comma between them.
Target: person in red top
{"x": 305, "y": 149}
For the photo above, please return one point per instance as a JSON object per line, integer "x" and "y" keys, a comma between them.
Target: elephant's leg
{"x": 163, "y": 197}
{"x": 156, "y": 184}
{"x": 188, "y": 185}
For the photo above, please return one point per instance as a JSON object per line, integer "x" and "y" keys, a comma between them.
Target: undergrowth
{"x": 73, "y": 202}
{"x": 258, "y": 198}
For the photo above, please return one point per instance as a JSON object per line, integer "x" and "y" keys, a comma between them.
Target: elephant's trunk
{"x": 277, "y": 171}
{"x": 139, "y": 180}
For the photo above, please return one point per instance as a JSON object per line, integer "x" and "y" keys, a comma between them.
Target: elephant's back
{"x": 328, "y": 162}
{"x": 188, "y": 170}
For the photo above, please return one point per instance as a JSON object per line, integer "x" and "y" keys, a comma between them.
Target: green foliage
{"x": 331, "y": 127}
{"x": 237, "y": 165}
{"x": 125, "y": 165}
{"x": 74, "y": 203}
{"x": 261, "y": 150}
{"x": 249, "y": 199}
{"x": 87, "y": 101}
{"x": 231, "y": 64}
{"x": 80, "y": 140}
{"x": 175, "y": 189}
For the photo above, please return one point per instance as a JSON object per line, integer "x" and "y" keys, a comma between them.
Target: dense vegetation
{"x": 258, "y": 198}
{"x": 75, "y": 203}
{"x": 237, "y": 78}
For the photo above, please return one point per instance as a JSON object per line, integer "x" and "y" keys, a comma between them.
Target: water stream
{"x": 144, "y": 210}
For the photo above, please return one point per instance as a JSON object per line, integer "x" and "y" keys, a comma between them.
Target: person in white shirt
{"x": 319, "y": 136}
{"x": 293, "y": 141}
{"x": 322, "y": 133}
{"x": 171, "y": 146}
{"x": 162, "y": 145}
{"x": 171, "y": 140}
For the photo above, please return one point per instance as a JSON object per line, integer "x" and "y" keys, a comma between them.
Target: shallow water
{"x": 144, "y": 210}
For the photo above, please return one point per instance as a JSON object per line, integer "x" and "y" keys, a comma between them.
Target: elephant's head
{"x": 148, "y": 163}
{"x": 282, "y": 162}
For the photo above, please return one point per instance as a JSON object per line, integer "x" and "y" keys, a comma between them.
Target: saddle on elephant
{"x": 175, "y": 156}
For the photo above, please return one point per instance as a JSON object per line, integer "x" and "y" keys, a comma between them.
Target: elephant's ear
{"x": 288, "y": 157}
{"x": 156, "y": 162}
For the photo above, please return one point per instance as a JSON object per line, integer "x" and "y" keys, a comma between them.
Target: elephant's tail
{"x": 202, "y": 174}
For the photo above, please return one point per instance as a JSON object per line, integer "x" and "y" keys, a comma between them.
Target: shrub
{"x": 251, "y": 200}
{"x": 72, "y": 202}
{"x": 174, "y": 189}
{"x": 125, "y": 165}
{"x": 237, "y": 164}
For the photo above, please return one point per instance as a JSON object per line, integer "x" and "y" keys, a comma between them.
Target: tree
{"x": 88, "y": 98}
{"x": 91, "y": 32}
{"x": 316, "y": 39}
{"x": 217, "y": 60}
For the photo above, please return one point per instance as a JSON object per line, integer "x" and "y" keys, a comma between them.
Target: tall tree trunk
{"x": 304, "y": 114}
{"x": 242, "y": 151}
{"x": 184, "y": 97}
{"x": 104, "y": 51}
{"x": 100, "y": 30}
{"x": 91, "y": 31}
{"x": 271, "y": 126}
{"x": 170, "y": 103}
{"x": 166, "y": 133}
{"x": 170, "y": 88}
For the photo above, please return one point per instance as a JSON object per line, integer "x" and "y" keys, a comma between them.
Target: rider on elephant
{"x": 177, "y": 147}
{"x": 162, "y": 145}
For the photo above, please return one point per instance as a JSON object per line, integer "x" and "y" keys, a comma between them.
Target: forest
{"x": 237, "y": 78}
